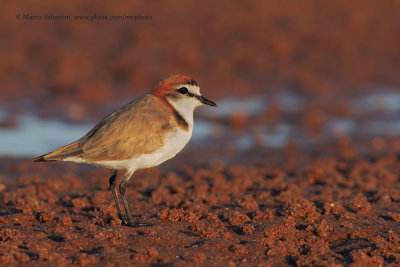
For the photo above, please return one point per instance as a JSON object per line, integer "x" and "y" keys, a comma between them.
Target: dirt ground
{"x": 282, "y": 207}
{"x": 331, "y": 201}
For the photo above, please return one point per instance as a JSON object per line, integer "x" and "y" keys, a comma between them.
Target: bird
{"x": 142, "y": 134}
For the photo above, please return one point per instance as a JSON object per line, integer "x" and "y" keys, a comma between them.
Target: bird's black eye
{"x": 183, "y": 90}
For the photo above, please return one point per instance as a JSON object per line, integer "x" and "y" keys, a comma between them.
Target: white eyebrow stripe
{"x": 194, "y": 89}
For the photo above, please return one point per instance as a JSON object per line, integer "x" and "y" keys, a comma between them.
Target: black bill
{"x": 206, "y": 101}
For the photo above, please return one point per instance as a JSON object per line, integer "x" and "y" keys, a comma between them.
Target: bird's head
{"x": 180, "y": 91}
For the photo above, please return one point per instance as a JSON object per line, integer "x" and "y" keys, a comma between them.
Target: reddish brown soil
{"x": 231, "y": 48}
{"x": 287, "y": 206}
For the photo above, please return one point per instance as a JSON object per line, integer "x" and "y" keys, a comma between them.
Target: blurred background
{"x": 284, "y": 73}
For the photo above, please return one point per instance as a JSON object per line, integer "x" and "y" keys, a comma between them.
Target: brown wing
{"x": 135, "y": 128}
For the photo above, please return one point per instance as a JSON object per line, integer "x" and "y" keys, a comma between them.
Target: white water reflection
{"x": 387, "y": 102}
{"x": 34, "y": 136}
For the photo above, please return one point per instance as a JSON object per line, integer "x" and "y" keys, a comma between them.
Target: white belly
{"x": 174, "y": 143}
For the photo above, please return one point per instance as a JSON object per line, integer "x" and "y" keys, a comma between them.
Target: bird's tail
{"x": 71, "y": 150}
{"x": 40, "y": 159}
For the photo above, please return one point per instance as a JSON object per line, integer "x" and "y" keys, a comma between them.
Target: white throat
{"x": 185, "y": 106}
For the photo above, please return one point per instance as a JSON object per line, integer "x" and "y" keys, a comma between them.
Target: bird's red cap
{"x": 168, "y": 84}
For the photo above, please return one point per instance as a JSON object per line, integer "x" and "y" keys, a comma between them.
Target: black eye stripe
{"x": 185, "y": 91}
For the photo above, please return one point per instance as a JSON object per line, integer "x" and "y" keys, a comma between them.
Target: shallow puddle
{"x": 373, "y": 115}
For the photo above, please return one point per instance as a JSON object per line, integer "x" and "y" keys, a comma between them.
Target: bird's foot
{"x": 130, "y": 223}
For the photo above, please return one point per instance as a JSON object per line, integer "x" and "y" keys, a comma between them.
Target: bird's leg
{"x": 113, "y": 187}
{"x": 122, "y": 189}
